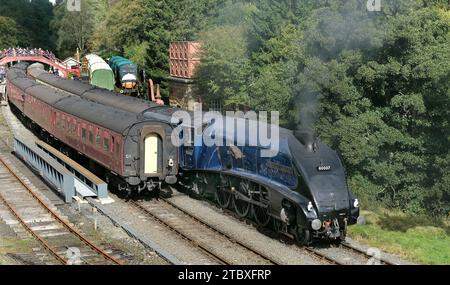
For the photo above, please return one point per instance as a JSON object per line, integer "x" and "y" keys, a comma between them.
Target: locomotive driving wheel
{"x": 222, "y": 195}
{"x": 242, "y": 207}
{"x": 223, "y": 198}
{"x": 261, "y": 215}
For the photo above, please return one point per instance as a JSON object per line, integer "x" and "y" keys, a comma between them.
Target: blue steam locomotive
{"x": 301, "y": 190}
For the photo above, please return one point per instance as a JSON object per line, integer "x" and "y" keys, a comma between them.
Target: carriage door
{"x": 151, "y": 154}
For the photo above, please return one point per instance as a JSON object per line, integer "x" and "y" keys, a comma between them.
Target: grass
{"x": 415, "y": 238}
{"x": 13, "y": 245}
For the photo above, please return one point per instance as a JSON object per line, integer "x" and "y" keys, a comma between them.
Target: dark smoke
{"x": 352, "y": 27}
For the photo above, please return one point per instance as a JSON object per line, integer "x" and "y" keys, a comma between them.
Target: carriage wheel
{"x": 261, "y": 215}
{"x": 241, "y": 207}
{"x": 223, "y": 198}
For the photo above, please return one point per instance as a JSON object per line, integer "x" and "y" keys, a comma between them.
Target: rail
{"x": 57, "y": 217}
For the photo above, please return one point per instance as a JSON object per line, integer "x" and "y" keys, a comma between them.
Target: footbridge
{"x": 45, "y": 57}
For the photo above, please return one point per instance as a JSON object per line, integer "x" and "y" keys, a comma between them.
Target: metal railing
{"x": 50, "y": 170}
{"x": 65, "y": 175}
{"x": 86, "y": 183}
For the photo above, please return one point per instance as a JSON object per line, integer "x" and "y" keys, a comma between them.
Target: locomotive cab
{"x": 128, "y": 76}
{"x": 125, "y": 72}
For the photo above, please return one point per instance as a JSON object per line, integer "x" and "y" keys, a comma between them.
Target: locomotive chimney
{"x": 307, "y": 137}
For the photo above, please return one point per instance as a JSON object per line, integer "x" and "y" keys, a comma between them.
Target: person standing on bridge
{"x": 2, "y": 73}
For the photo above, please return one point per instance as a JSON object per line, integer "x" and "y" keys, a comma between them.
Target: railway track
{"x": 347, "y": 254}
{"x": 346, "y": 249}
{"x": 376, "y": 259}
{"x": 211, "y": 241}
{"x": 317, "y": 254}
{"x": 65, "y": 243}
{"x": 311, "y": 251}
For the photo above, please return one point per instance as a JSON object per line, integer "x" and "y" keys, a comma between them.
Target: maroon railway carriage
{"x": 112, "y": 138}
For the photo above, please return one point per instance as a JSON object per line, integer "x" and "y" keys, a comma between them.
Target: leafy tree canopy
{"x": 31, "y": 20}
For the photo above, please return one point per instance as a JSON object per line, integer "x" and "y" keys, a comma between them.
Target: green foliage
{"x": 417, "y": 238}
{"x": 378, "y": 79}
{"x": 8, "y": 33}
{"x": 137, "y": 53}
{"x": 145, "y": 28}
{"x": 374, "y": 85}
{"x": 31, "y": 19}
{"x": 225, "y": 65}
{"x": 73, "y": 29}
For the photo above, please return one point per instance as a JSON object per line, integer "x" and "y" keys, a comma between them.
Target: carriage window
{"x": 106, "y": 145}
{"x": 98, "y": 141}
{"x": 118, "y": 150}
{"x": 83, "y": 134}
{"x": 60, "y": 122}
{"x": 91, "y": 138}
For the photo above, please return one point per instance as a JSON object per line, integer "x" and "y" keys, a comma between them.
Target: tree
{"x": 73, "y": 29}
{"x": 138, "y": 27}
{"x": 378, "y": 80}
{"x": 8, "y": 33}
{"x": 32, "y": 20}
{"x": 225, "y": 66}
{"x": 274, "y": 74}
